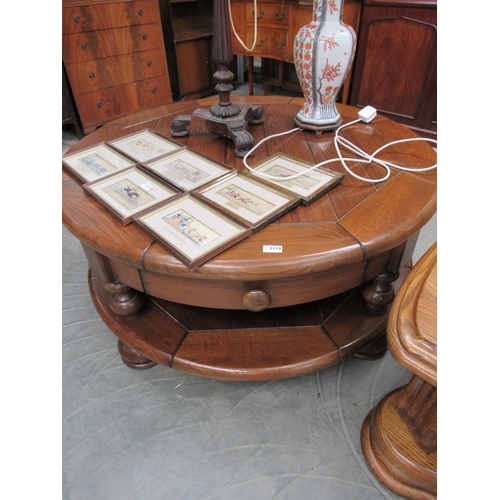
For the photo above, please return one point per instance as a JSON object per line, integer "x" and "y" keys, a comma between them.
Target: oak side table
{"x": 245, "y": 314}
{"x": 399, "y": 436}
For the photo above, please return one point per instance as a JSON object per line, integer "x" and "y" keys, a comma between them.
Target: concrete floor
{"x": 164, "y": 434}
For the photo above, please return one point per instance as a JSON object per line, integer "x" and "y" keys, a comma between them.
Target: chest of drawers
{"x": 114, "y": 55}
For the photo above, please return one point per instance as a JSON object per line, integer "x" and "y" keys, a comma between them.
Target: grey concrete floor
{"x": 164, "y": 434}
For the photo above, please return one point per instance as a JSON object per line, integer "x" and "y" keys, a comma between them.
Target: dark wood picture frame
{"x": 219, "y": 193}
{"x": 193, "y": 164}
{"x": 324, "y": 178}
{"x": 192, "y": 230}
{"x": 102, "y": 150}
{"x": 154, "y": 139}
{"x": 116, "y": 195}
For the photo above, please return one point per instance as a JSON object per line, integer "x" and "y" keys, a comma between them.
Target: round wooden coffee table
{"x": 251, "y": 315}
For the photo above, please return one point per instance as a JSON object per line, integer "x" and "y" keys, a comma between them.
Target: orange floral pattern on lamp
{"x": 323, "y": 54}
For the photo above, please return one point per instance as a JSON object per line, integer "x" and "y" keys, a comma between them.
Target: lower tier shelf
{"x": 243, "y": 345}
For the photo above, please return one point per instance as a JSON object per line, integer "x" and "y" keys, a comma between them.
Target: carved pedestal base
{"x": 232, "y": 127}
{"x": 399, "y": 444}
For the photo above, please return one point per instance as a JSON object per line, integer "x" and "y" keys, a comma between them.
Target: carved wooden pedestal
{"x": 399, "y": 436}
{"x": 399, "y": 442}
{"x": 225, "y": 118}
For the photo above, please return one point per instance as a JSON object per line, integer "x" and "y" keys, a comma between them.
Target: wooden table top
{"x": 412, "y": 323}
{"x": 353, "y": 224}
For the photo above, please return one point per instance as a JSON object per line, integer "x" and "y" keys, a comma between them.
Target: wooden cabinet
{"x": 278, "y": 21}
{"x": 188, "y": 31}
{"x": 115, "y": 59}
{"x": 395, "y": 69}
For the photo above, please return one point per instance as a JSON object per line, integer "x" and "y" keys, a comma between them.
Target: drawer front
{"x": 268, "y": 14}
{"x": 81, "y": 47}
{"x": 119, "y": 70}
{"x": 270, "y": 43}
{"x": 78, "y": 19}
{"x": 103, "y": 105}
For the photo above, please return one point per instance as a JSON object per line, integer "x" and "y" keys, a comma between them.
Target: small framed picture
{"x": 129, "y": 192}
{"x": 144, "y": 145}
{"x": 186, "y": 169}
{"x": 193, "y": 231}
{"x": 97, "y": 161}
{"x": 248, "y": 199}
{"x": 309, "y": 186}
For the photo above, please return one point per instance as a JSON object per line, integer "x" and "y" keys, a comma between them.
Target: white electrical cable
{"x": 365, "y": 157}
{"x": 254, "y": 26}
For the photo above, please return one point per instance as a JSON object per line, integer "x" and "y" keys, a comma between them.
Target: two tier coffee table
{"x": 246, "y": 314}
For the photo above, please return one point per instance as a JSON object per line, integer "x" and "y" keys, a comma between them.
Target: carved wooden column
{"x": 225, "y": 118}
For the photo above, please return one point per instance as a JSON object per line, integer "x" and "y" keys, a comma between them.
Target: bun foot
{"x": 133, "y": 358}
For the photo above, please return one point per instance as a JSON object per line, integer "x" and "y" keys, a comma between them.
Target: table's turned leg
{"x": 117, "y": 298}
{"x": 379, "y": 292}
{"x": 378, "y": 295}
{"x": 124, "y": 301}
{"x": 250, "y": 75}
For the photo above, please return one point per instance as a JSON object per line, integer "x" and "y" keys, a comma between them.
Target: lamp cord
{"x": 342, "y": 141}
{"x": 254, "y": 26}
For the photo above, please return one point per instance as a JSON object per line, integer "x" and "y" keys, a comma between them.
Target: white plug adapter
{"x": 367, "y": 114}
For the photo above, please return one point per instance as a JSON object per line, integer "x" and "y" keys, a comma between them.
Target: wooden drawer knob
{"x": 256, "y": 300}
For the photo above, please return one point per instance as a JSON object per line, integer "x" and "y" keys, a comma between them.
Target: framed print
{"x": 309, "y": 186}
{"x": 144, "y": 145}
{"x": 248, "y": 199}
{"x": 97, "y": 161}
{"x": 129, "y": 192}
{"x": 186, "y": 169}
{"x": 193, "y": 231}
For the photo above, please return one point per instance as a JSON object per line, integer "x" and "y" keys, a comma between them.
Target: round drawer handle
{"x": 76, "y": 19}
{"x": 99, "y": 104}
{"x": 149, "y": 63}
{"x": 91, "y": 75}
{"x": 153, "y": 90}
{"x": 256, "y": 300}
{"x": 140, "y": 12}
{"x": 144, "y": 36}
{"x": 85, "y": 46}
